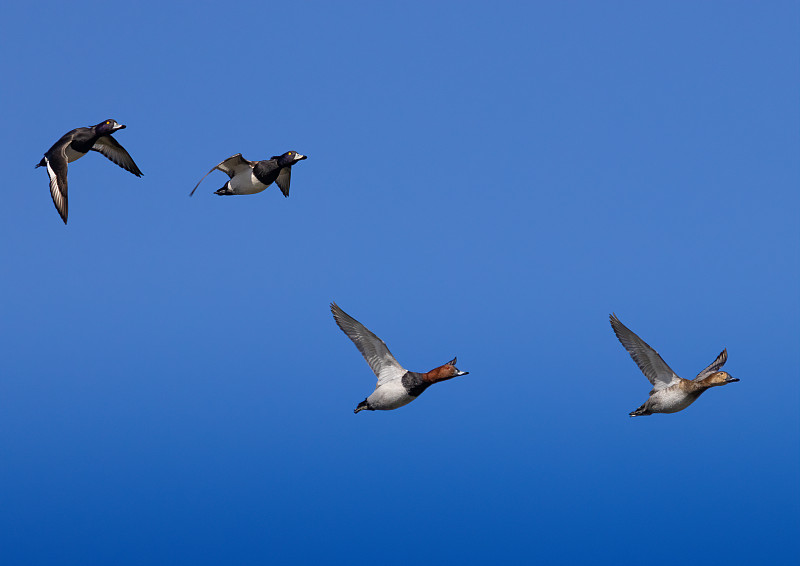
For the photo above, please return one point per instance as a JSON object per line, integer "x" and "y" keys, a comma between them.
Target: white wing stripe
{"x": 55, "y": 190}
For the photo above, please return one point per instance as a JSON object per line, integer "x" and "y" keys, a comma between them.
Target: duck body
{"x": 669, "y": 400}
{"x": 75, "y": 144}
{"x": 670, "y": 393}
{"x": 396, "y": 393}
{"x": 244, "y": 183}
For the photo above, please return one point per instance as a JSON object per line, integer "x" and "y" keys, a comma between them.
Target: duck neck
{"x": 415, "y": 383}
{"x": 704, "y": 384}
{"x": 696, "y": 386}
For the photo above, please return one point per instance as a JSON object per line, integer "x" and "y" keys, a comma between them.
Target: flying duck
{"x": 74, "y": 145}
{"x": 396, "y": 386}
{"x": 670, "y": 393}
{"x": 250, "y": 177}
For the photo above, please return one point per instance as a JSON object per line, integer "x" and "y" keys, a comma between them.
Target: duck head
{"x": 108, "y": 127}
{"x": 719, "y": 378}
{"x": 289, "y": 158}
{"x": 445, "y": 372}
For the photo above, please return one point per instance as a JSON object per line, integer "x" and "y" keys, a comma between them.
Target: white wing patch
{"x": 59, "y": 199}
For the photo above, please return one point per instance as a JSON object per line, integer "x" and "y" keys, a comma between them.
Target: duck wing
{"x": 714, "y": 367}
{"x": 374, "y": 350}
{"x": 232, "y": 166}
{"x": 111, "y": 148}
{"x": 284, "y": 177}
{"x": 56, "y": 163}
{"x": 653, "y": 367}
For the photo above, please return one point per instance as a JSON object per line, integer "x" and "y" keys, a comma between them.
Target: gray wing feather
{"x": 374, "y": 350}
{"x": 714, "y": 367}
{"x": 111, "y": 148}
{"x": 653, "y": 367}
{"x": 284, "y": 177}
{"x": 231, "y": 166}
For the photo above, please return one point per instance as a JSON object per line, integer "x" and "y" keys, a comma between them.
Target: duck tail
{"x": 41, "y": 164}
{"x": 640, "y": 412}
{"x": 363, "y": 405}
{"x": 224, "y": 191}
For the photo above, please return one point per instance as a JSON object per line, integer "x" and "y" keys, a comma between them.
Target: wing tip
{"x": 616, "y": 324}
{"x": 341, "y": 318}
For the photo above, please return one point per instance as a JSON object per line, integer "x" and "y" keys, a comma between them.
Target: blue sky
{"x": 487, "y": 181}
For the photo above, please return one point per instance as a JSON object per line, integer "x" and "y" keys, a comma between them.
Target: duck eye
{"x": 108, "y": 121}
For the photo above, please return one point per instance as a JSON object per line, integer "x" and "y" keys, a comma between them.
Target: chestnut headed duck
{"x": 670, "y": 393}
{"x": 396, "y": 386}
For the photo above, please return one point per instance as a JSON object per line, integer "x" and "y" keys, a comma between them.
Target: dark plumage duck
{"x": 250, "y": 177}
{"x": 74, "y": 145}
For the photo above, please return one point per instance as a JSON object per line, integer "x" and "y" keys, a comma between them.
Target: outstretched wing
{"x": 231, "y": 166}
{"x": 57, "y": 170}
{"x": 653, "y": 367}
{"x": 111, "y": 148}
{"x": 714, "y": 367}
{"x": 284, "y": 177}
{"x": 374, "y": 350}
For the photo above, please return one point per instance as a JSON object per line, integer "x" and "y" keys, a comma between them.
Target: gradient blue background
{"x": 486, "y": 180}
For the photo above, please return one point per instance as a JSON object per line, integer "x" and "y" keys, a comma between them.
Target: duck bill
{"x": 449, "y": 377}
{"x": 732, "y": 379}
{"x": 300, "y": 157}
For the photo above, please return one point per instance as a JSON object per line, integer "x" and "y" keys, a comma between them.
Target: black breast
{"x": 414, "y": 383}
{"x": 83, "y": 139}
{"x": 267, "y": 171}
